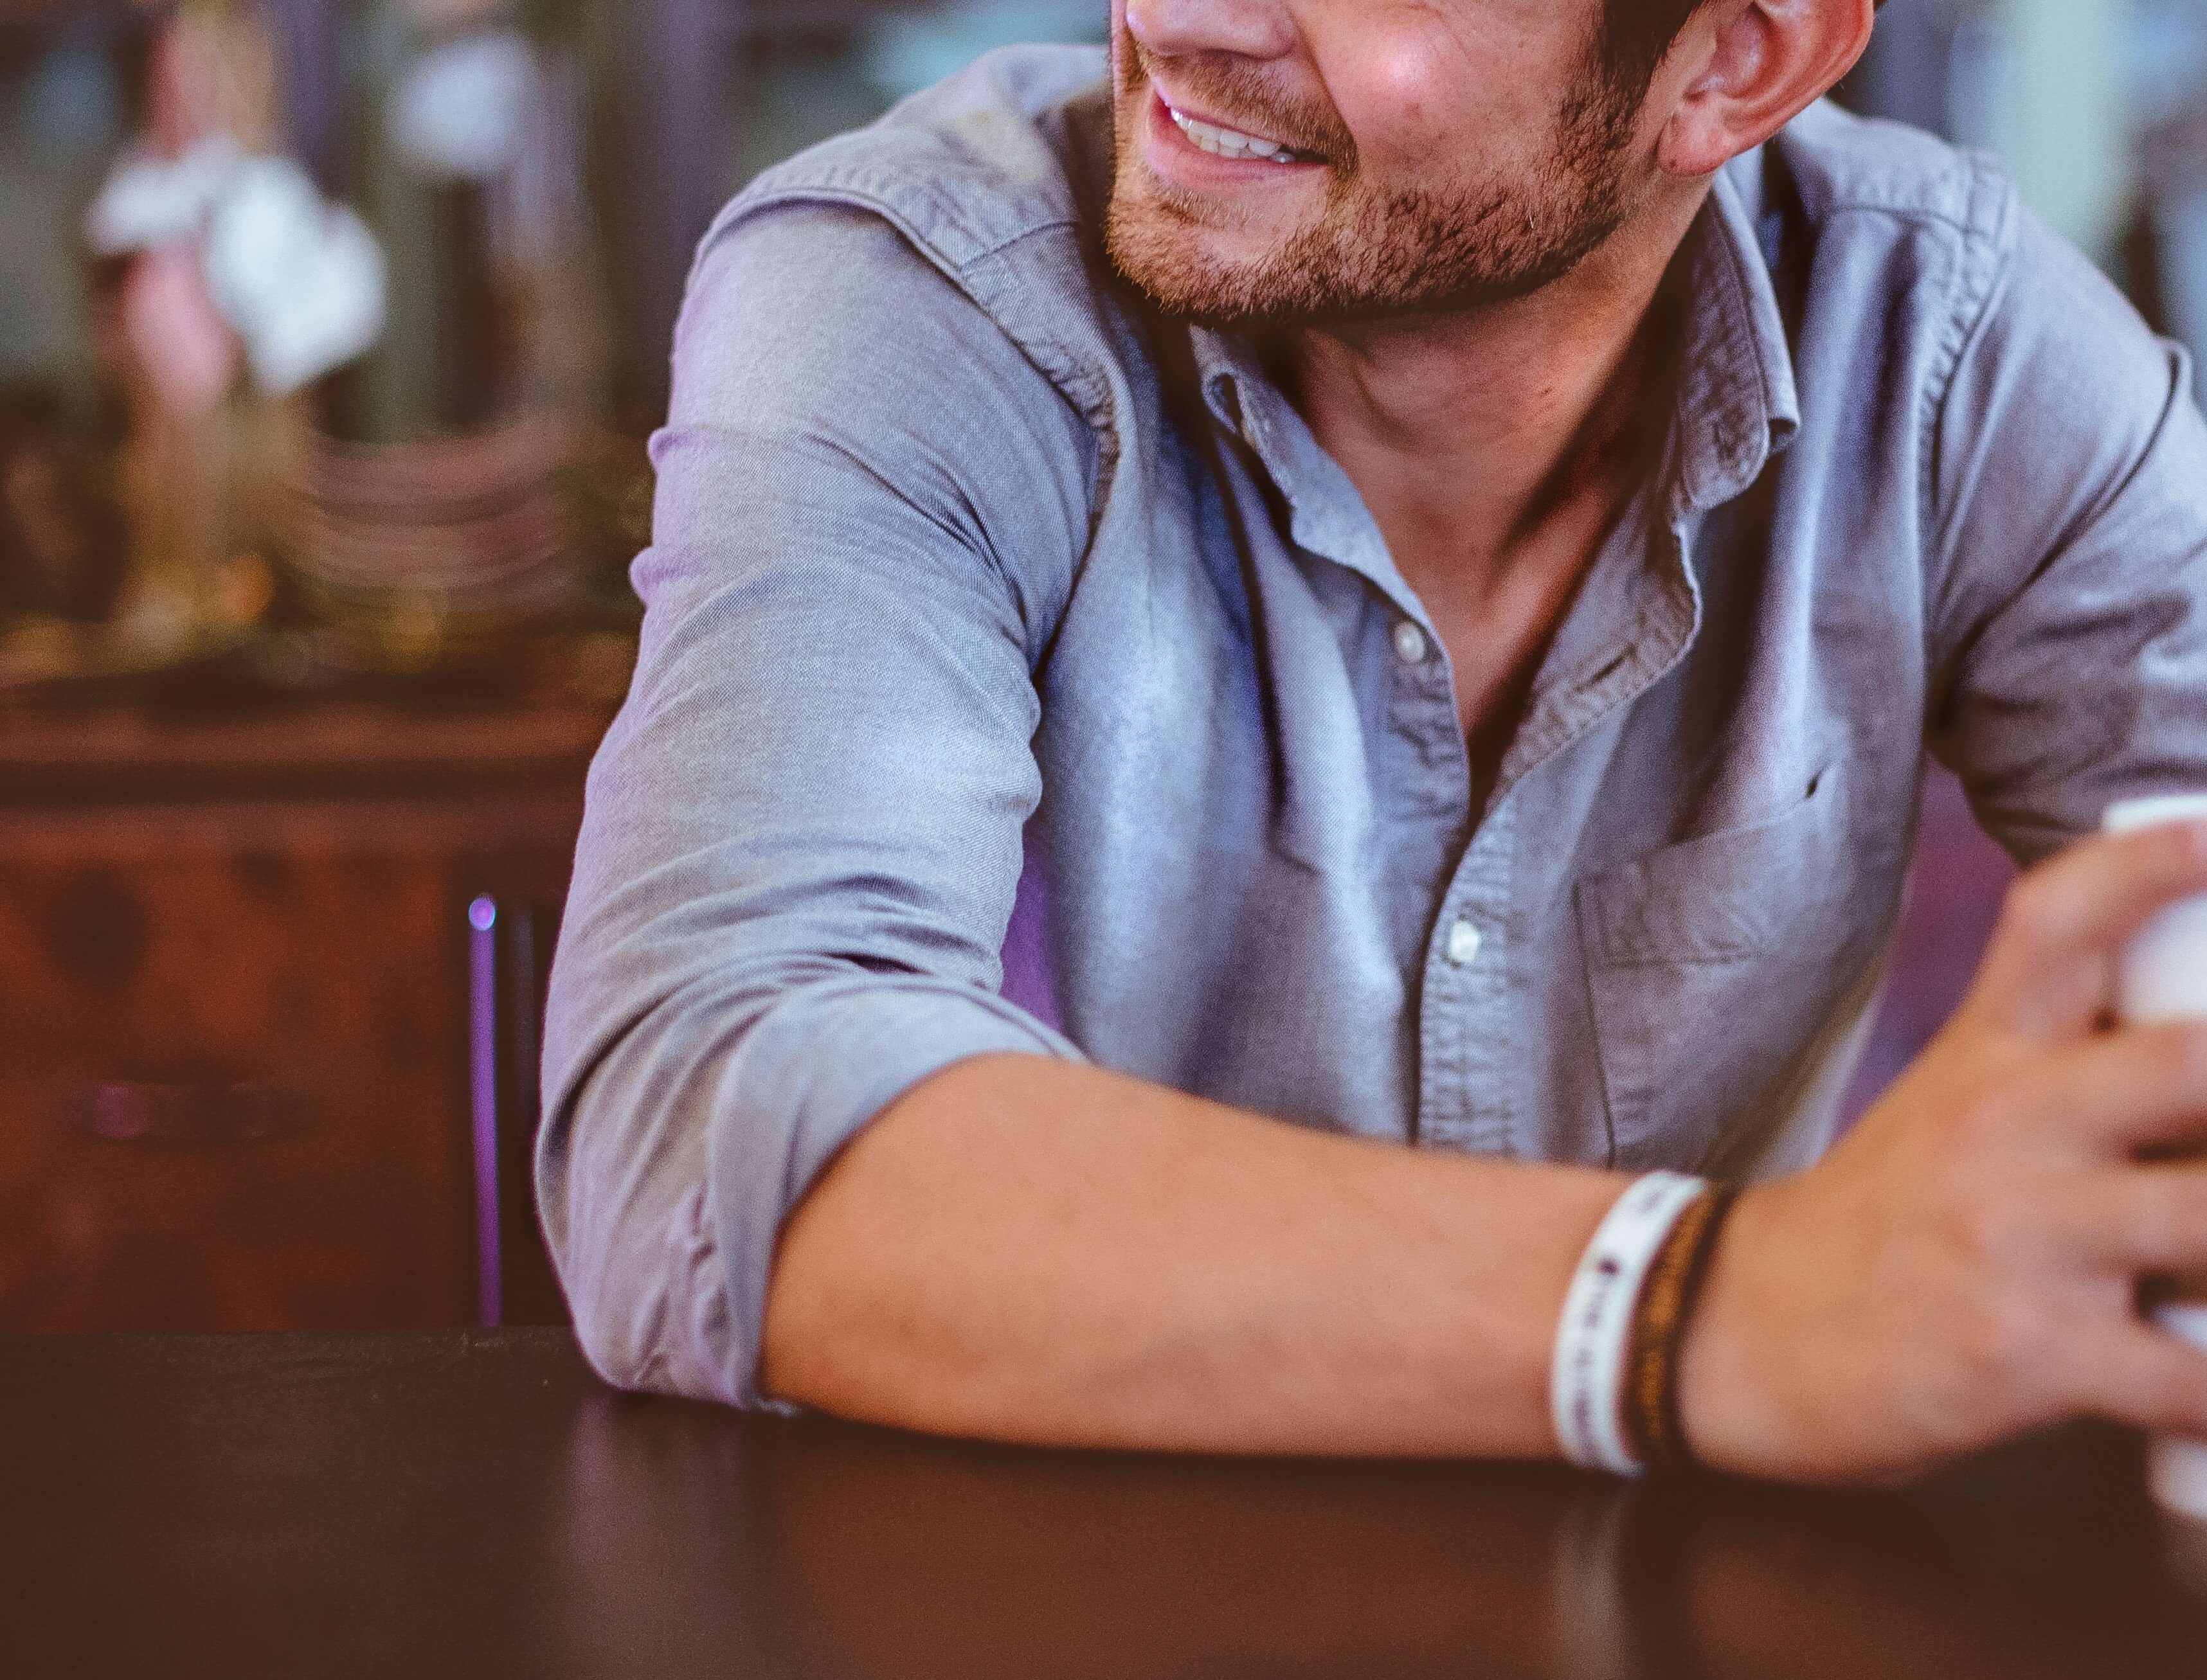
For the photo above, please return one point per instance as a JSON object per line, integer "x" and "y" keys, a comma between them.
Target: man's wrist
{"x": 1591, "y": 1365}
{"x": 1661, "y": 1321}
{"x": 1721, "y": 1417}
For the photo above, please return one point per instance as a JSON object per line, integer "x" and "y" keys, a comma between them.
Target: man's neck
{"x": 1473, "y": 435}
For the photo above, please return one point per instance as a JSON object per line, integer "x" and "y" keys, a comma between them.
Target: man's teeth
{"x": 1230, "y": 143}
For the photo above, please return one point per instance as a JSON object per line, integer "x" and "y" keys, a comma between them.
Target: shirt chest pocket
{"x": 1712, "y": 966}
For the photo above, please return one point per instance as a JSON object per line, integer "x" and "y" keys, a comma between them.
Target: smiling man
{"x": 1409, "y": 556}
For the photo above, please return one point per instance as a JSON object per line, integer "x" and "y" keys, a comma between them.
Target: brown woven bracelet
{"x": 1658, "y": 1328}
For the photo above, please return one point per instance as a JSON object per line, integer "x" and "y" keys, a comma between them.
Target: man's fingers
{"x": 2050, "y": 966}
{"x": 2134, "y": 1089}
{"x": 2141, "y": 1376}
{"x": 2144, "y": 1220}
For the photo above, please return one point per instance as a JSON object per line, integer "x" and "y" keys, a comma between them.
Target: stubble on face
{"x": 1375, "y": 251}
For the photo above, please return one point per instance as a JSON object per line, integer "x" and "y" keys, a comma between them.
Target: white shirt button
{"x": 1464, "y": 944}
{"x": 1409, "y": 644}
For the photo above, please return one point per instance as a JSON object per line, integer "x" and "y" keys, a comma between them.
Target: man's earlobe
{"x": 1693, "y": 146}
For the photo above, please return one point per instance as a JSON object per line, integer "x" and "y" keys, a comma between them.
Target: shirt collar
{"x": 1326, "y": 514}
{"x": 1737, "y": 402}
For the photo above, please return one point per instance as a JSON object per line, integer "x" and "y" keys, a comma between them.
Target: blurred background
{"x": 330, "y": 331}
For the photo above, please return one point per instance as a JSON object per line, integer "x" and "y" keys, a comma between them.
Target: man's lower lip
{"x": 1176, "y": 152}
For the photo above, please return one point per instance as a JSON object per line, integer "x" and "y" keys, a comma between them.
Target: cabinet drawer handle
{"x": 211, "y": 1113}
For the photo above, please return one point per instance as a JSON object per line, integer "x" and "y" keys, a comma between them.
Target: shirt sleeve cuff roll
{"x": 811, "y": 1076}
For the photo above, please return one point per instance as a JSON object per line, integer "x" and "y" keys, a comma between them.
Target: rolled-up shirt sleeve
{"x": 802, "y": 840}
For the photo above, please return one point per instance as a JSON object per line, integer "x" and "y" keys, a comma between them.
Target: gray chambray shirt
{"x": 987, "y": 613}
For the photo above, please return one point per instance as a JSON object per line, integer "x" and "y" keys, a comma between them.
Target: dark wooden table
{"x": 473, "y": 1504}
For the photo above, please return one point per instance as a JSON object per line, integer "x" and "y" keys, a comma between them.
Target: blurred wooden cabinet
{"x": 234, "y": 1007}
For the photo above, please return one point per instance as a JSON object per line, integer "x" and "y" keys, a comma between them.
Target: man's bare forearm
{"x": 1037, "y": 1251}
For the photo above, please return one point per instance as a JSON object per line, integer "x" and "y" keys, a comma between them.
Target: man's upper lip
{"x": 1203, "y": 116}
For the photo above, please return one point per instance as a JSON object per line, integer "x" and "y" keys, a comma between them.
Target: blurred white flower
{"x": 462, "y": 110}
{"x": 149, "y": 201}
{"x": 302, "y": 281}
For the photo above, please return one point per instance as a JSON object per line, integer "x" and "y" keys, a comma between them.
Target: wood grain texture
{"x": 319, "y": 974}
{"x": 233, "y": 1031}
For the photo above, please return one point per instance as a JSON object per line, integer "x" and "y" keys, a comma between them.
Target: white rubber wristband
{"x": 1586, "y": 1388}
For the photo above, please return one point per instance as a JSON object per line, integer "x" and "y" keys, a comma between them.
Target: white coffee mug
{"x": 2163, "y": 980}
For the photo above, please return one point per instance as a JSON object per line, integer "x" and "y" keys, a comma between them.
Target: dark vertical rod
{"x": 306, "y": 35}
{"x": 471, "y": 362}
{"x": 517, "y": 1103}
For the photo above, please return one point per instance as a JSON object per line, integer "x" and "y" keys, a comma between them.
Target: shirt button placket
{"x": 1467, "y": 1025}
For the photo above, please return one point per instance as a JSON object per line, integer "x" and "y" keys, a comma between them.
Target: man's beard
{"x": 1380, "y": 255}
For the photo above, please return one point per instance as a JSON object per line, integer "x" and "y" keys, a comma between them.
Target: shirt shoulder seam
{"x": 896, "y": 195}
{"x": 1082, "y": 390}
{"x": 1986, "y": 254}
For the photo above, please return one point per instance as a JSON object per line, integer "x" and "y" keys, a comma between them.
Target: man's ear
{"x": 1742, "y": 69}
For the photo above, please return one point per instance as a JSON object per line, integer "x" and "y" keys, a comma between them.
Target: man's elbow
{"x": 646, "y": 1294}
{"x": 611, "y": 1347}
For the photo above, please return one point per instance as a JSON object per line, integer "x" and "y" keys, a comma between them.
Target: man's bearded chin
{"x": 1373, "y": 255}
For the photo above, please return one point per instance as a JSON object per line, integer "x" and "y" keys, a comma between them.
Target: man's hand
{"x": 1964, "y": 1268}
